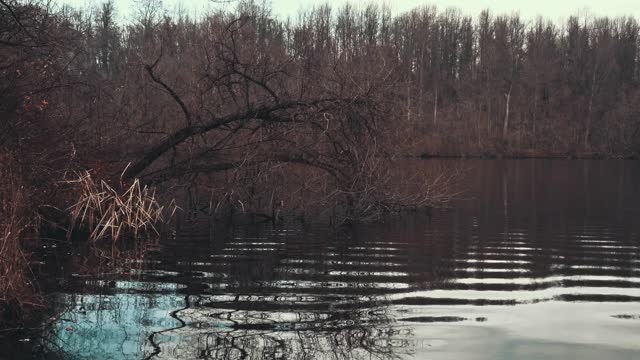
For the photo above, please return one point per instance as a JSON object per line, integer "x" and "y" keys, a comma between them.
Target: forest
{"x": 244, "y": 112}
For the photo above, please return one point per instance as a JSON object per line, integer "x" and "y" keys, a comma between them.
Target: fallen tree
{"x": 260, "y": 115}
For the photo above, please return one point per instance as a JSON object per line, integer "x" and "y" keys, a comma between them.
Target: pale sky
{"x": 556, "y": 10}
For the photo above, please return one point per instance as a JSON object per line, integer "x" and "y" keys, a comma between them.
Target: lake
{"x": 541, "y": 259}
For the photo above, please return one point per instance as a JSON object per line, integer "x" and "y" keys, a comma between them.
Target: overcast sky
{"x": 552, "y": 9}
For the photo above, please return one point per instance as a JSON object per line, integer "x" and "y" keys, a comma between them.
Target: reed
{"x": 110, "y": 213}
{"x": 16, "y": 222}
{"x": 15, "y": 286}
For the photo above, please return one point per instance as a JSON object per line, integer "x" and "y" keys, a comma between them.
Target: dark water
{"x": 542, "y": 261}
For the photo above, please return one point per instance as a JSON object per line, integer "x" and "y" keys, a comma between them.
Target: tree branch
{"x": 262, "y": 112}
{"x": 174, "y": 95}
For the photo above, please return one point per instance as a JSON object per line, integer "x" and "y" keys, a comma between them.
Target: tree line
{"x": 250, "y": 98}
{"x": 494, "y": 84}
{"x": 491, "y": 84}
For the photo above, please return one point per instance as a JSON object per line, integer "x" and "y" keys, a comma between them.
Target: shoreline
{"x": 524, "y": 157}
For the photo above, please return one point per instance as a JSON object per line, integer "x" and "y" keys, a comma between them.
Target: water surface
{"x": 542, "y": 260}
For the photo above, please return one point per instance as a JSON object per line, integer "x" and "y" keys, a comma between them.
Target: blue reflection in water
{"x": 113, "y": 326}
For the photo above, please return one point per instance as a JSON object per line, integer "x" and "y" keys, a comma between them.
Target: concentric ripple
{"x": 543, "y": 257}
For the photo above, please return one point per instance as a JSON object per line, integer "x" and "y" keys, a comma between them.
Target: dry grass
{"x": 109, "y": 214}
{"x": 16, "y": 221}
{"x": 15, "y": 284}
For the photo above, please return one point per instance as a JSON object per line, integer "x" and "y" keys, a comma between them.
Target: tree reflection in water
{"x": 520, "y": 264}
{"x": 174, "y": 326}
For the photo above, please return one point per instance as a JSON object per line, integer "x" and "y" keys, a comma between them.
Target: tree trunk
{"x": 408, "y": 102}
{"x": 505, "y": 127}
{"x": 488, "y": 112}
{"x": 535, "y": 112}
{"x": 421, "y": 88}
{"x": 435, "y": 108}
{"x": 587, "y": 131}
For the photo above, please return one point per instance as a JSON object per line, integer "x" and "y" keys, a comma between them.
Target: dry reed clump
{"x": 111, "y": 214}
